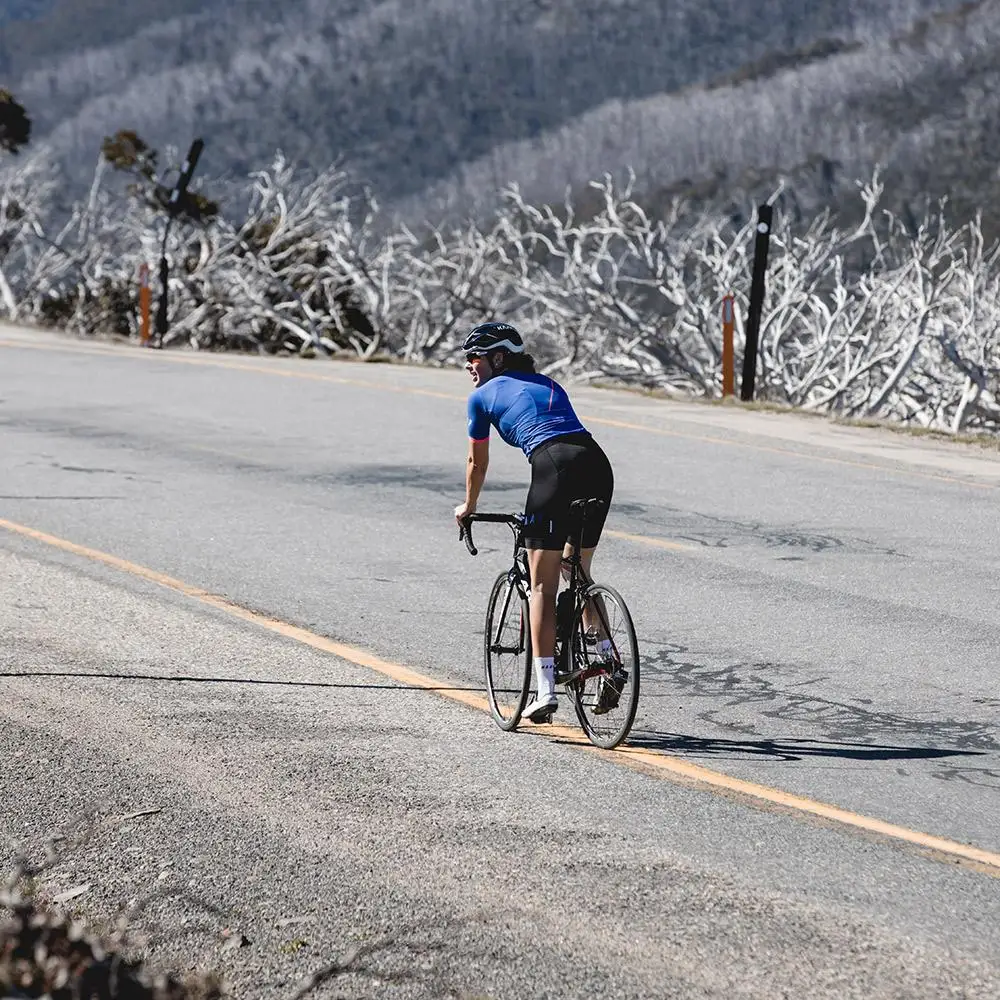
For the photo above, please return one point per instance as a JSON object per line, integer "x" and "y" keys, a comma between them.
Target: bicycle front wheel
{"x": 507, "y": 653}
{"x": 605, "y": 694}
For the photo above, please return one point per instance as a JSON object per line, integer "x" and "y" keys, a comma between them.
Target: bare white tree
{"x": 880, "y": 318}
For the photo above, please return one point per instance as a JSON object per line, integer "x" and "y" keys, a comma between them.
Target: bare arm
{"x": 475, "y": 471}
{"x": 475, "y": 476}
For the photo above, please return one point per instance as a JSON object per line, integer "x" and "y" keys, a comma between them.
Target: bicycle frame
{"x": 586, "y": 647}
{"x": 578, "y": 582}
{"x": 519, "y": 573}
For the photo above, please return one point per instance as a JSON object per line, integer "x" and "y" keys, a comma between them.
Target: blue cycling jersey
{"x": 525, "y": 408}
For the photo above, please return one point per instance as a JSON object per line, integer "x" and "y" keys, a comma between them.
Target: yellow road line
{"x": 659, "y": 543}
{"x": 360, "y": 657}
{"x": 649, "y": 761}
{"x": 213, "y": 361}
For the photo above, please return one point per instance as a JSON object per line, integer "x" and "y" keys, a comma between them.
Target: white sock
{"x": 545, "y": 675}
{"x": 604, "y": 647}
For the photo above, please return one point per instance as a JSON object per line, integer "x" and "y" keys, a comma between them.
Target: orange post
{"x": 144, "y": 304}
{"x": 728, "y": 366}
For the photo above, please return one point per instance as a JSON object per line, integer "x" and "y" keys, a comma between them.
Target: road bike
{"x": 602, "y": 685}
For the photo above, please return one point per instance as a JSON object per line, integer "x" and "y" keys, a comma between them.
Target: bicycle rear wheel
{"x": 606, "y": 696}
{"x": 507, "y": 653}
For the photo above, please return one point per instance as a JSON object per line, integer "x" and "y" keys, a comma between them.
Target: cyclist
{"x": 532, "y": 412}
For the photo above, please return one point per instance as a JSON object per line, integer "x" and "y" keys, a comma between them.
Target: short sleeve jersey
{"x": 525, "y": 408}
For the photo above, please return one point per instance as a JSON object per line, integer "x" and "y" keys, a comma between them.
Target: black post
{"x": 161, "y": 306}
{"x": 187, "y": 169}
{"x": 761, "y": 244}
{"x": 173, "y": 208}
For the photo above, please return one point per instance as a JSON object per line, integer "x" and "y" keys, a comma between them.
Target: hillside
{"x": 24, "y": 11}
{"x": 925, "y": 103}
{"x": 454, "y": 94}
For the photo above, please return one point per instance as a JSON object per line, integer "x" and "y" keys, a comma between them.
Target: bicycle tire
{"x": 583, "y": 693}
{"x": 507, "y": 653}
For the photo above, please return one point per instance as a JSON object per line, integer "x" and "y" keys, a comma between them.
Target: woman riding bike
{"x": 532, "y": 412}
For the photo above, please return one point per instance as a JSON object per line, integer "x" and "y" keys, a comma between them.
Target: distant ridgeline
{"x": 439, "y": 105}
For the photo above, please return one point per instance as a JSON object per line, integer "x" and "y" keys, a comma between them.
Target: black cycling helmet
{"x": 493, "y": 336}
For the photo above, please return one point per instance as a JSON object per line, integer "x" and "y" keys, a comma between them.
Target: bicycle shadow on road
{"x": 787, "y": 749}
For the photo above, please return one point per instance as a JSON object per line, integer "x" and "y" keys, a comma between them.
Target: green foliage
{"x": 15, "y": 125}
{"x": 127, "y": 152}
{"x": 191, "y": 205}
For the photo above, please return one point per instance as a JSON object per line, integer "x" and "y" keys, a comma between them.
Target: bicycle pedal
{"x": 542, "y": 718}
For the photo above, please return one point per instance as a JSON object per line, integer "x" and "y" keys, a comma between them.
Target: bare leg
{"x": 544, "y": 565}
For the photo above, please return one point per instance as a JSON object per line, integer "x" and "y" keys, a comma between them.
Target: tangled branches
{"x": 46, "y": 953}
{"x": 881, "y": 318}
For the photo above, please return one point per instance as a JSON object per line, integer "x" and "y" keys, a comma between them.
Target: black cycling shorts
{"x": 563, "y": 469}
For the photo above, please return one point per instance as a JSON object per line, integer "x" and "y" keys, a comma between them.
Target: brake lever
{"x": 465, "y": 535}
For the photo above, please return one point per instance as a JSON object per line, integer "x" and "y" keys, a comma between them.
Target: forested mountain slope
{"x": 457, "y": 96}
{"x": 14, "y": 11}
{"x": 925, "y": 104}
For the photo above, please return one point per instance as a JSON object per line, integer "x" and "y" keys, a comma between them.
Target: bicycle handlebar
{"x": 465, "y": 528}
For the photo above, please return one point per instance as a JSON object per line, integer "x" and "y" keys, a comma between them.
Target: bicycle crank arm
{"x": 582, "y": 675}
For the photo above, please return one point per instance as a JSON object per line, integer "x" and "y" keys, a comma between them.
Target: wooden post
{"x": 728, "y": 364}
{"x": 145, "y": 297}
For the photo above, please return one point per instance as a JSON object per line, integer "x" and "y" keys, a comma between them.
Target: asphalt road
{"x": 812, "y": 804}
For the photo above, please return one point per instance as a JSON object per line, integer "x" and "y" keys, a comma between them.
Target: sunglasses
{"x": 472, "y": 355}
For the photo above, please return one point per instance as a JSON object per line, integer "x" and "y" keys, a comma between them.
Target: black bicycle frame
{"x": 580, "y": 600}
{"x": 579, "y": 579}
